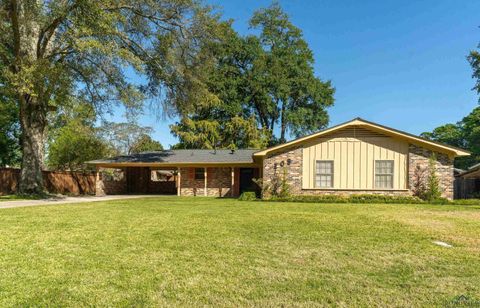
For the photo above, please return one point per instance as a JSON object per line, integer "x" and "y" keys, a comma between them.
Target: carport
{"x": 219, "y": 173}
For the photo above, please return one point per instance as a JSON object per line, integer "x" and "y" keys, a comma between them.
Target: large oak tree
{"x": 53, "y": 51}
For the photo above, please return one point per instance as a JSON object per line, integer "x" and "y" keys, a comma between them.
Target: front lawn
{"x": 203, "y": 251}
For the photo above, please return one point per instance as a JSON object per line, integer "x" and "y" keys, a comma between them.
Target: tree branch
{"x": 16, "y": 30}
{"x": 47, "y": 33}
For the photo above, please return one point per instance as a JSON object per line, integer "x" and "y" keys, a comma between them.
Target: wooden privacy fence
{"x": 68, "y": 183}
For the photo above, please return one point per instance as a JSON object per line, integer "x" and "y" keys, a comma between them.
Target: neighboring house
{"x": 354, "y": 157}
{"x": 467, "y": 183}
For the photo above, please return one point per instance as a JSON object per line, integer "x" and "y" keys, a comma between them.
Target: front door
{"x": 246, "y": 180}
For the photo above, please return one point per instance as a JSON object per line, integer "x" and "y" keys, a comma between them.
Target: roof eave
{"x": 453, "y": 151}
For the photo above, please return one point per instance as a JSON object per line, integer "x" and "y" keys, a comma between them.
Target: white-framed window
{"x": 384, "y": 174}
{"x": 324, "y": 174}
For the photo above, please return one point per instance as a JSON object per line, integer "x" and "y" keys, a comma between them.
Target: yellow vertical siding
{"x": 354, "y": 160}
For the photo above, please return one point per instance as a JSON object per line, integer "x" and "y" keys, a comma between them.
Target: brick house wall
{"x": 218, "y": 182}
{"x": 289, "y": 162}
{"x": 418, "y": 163}
{"x": 105, "y": 186}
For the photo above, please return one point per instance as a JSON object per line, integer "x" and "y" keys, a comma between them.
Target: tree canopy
{"x": 145, "y": 143}
{"x": 124, "y": 137}
{"x": 73, "y": 145}
{"x": 298, "y": 98}
{"x": 259, "y": 82}
{"x": 54, "y": 51}
{"x": 10, "y": 154}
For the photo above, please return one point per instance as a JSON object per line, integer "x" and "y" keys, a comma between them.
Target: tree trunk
{"x": 33, "y": 123}
{"x": 283, "y": 125}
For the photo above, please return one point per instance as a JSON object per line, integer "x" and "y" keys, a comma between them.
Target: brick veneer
{"x": 110, "y": 187}
{"x": 418, "y": 160}
{"x": 219, "y": 181}
{"x": 291, "y": 160}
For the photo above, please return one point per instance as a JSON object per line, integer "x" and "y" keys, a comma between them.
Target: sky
{"x": 398, "y": 63}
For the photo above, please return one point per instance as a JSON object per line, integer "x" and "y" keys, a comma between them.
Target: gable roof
{"x": 181, "y": 157}
{"x": 437, "y": 146}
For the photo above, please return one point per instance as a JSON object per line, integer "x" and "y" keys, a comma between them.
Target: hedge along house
{"x": 351, "y": 158}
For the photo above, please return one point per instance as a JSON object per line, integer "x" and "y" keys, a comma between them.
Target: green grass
{"x": 16, "y": 197}
{"x": 202, "y": 251}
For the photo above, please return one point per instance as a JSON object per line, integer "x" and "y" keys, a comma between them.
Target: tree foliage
{"x": 465, "y": 133}
{"x": 73, "y": 145}
{"x": 259, "y": 82}
{"x": 433, "y": 191}
{"x": 124, "y": 137}
{"x": 53, "y": 51}
{"x": 474, "y": 60}
{"x": 10, "y": 154}
{"x": 209, "y": 134}
{"x": 299, "y": 98}
{"x": 145, "y": 143}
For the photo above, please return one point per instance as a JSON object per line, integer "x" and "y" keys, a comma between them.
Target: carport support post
{"x": 179, "y": 181}
{"x": 98, "y": 186}
{"x": 205, "y": 180}
{"x": 233, "y": 182}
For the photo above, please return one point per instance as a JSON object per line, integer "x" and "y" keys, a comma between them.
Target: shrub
{"x": 360, "y": 198}
{"x": 248, "y": 196}
{"x": 278, "y": 186}
{"x": 426, "y": 184}
{"x": 433, "y": 192}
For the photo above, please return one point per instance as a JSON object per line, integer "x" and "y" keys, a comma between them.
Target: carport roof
{"x": 181, "y": 157}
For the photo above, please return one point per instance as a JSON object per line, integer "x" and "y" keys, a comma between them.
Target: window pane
{"x": 384, "y": 167}
{"x": 324, "y": 174}
{"x": 384, "y": 181}
{"x": 384, "y": 174}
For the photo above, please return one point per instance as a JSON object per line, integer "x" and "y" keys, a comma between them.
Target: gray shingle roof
{"x": 182, "y": 156}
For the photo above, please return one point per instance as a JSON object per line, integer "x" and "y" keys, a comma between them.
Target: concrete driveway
{"x": 66, "y": 200}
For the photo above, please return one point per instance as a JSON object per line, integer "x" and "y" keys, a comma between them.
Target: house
{"x": 354, "y": 157}
{"x": 467, "y": 183}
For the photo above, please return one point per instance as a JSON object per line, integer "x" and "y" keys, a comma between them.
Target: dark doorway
{"x": 246, "y": 180}
{"x": 137, "y": 180}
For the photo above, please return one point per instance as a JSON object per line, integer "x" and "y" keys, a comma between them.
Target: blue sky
{"x": 399, "y": 63}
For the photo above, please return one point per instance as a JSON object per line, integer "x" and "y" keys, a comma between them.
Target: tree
{"x": 145, "y": 144}
{"x": 10, "y": 154}
{"x": 451, "y": 134}
{"x": 73, "y": 145}
{"x": 433, "y": 191}
{"x": 258, "y": 82}
{"x": 53, "y": 51}
{"x": 465, "y": 133}
{"x": 123, "y": 137}
{"x": 209, "y": 134}
{"x": 474, "y": 60}
{"x": 227, "y": 120}
{"x": 300, "y": 99}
